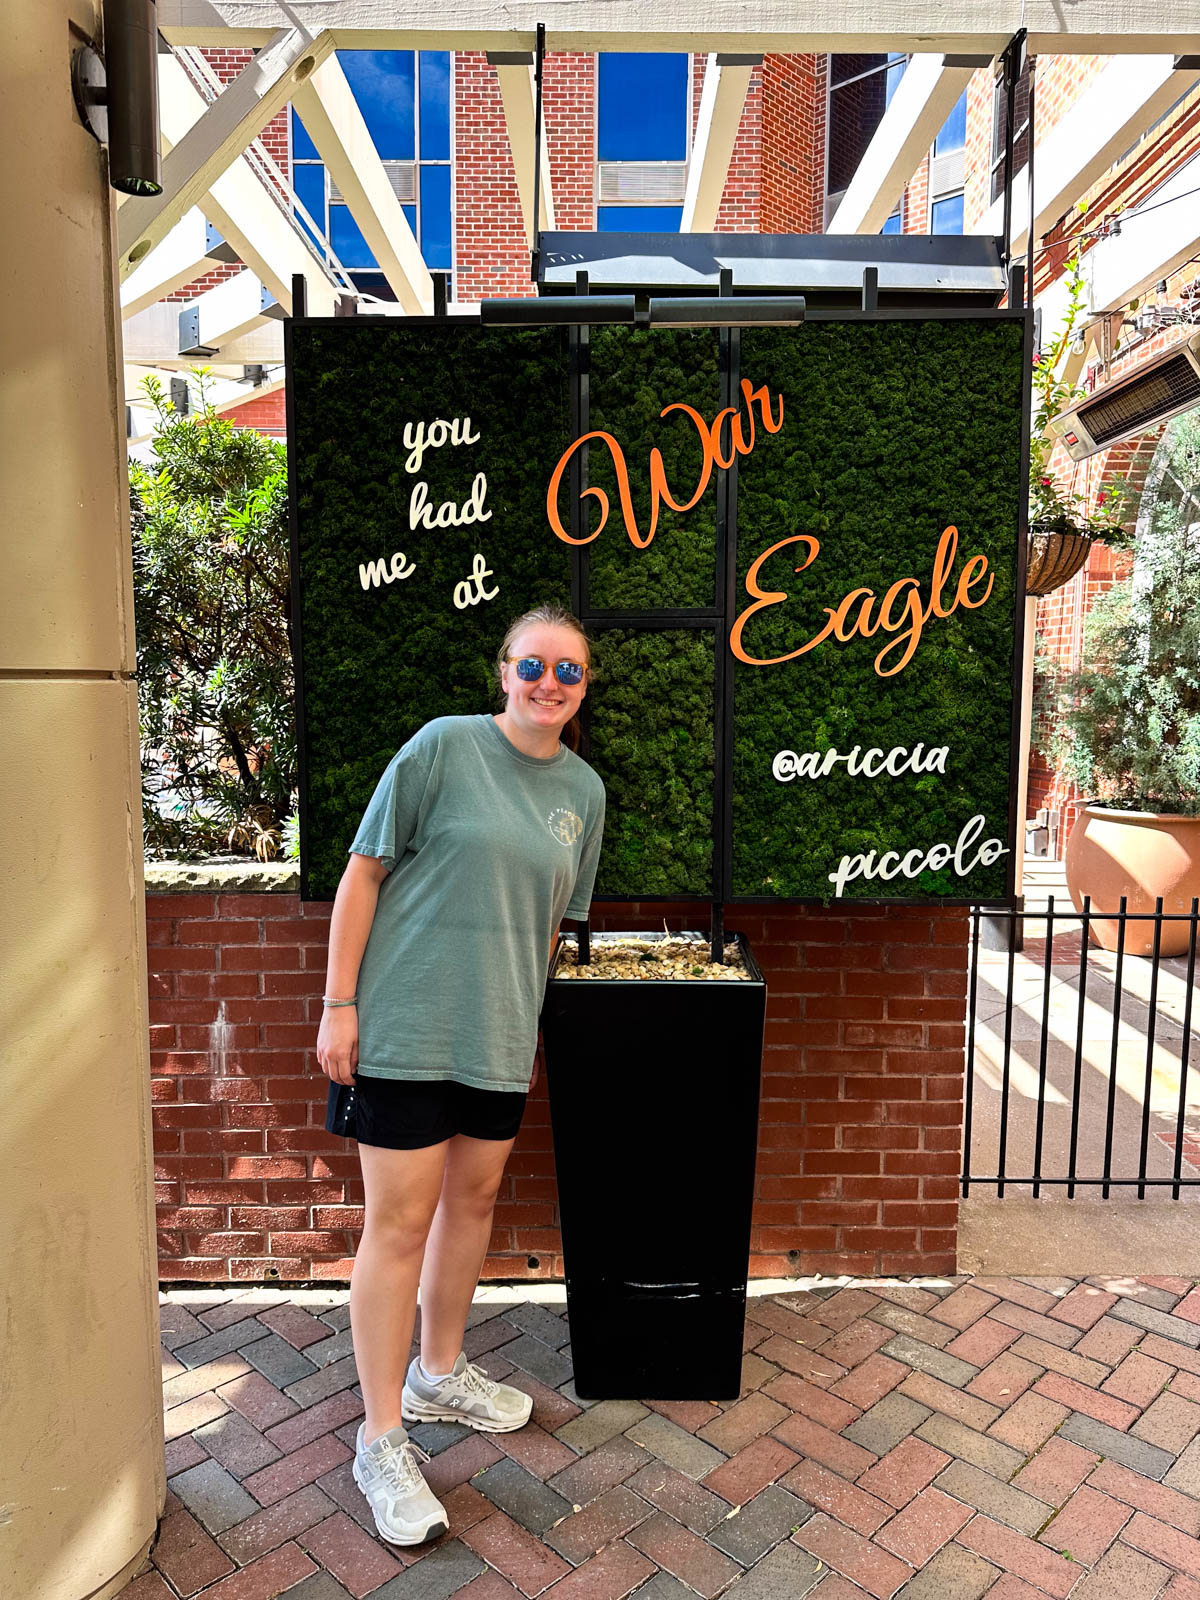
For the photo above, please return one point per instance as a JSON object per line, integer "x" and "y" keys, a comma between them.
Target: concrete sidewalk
{"x": 933, "y": 1439}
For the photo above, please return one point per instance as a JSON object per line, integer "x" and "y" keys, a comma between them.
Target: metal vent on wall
{"x": 650, "y": 182}
{"x": 947, "y": 173}
{"x": 402, "y": 175}
{"x": 1162, "y": 389}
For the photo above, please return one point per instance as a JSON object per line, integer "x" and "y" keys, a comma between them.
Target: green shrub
{"x": 211, "y": 606}
{"x": 1125, "y": 727}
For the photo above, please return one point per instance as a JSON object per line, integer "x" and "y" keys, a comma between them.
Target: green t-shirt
{"x": 487, "y": 850}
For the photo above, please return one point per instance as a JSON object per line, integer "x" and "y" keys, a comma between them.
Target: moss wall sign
{"x": 796, "y": 551}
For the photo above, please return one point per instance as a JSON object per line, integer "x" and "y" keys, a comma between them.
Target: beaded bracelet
{"x": 325, "y": 1000}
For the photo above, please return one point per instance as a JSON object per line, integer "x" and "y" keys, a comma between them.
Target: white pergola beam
{"x": 924, "y": 98}
{"x": 1157, "y": 237}
{"x": 222, "y": 314}
{"x": 956, "y": 27}
{"x": 721, "y": 100}
{"x": 240, "y": 208}
{"x": 1119, "y": 104}
{"x": 334, "y": 123}
{"x": 151, "y": 338}
{"x": 515, "y": 77}
{"x": 189, "y": 250}
{"x": 217, "y": 138}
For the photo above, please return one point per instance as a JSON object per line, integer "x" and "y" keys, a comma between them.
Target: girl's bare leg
{"x": 402, "y": 1189}
{"x": 458, "y": 1242}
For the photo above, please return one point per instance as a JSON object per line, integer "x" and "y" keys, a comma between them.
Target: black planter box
{"x": 653, "y": 1087}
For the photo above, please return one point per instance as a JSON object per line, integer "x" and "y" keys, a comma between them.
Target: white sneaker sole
{"x": 413, "y": 1410}
{"x": 433, "y": 1530}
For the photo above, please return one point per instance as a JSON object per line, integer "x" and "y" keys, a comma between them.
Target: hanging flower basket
{"x": 1055, "y": 556}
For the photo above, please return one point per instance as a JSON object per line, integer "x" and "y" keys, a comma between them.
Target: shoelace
{"x": 399, "y": 1465}
{"x": 475, "y": 1378}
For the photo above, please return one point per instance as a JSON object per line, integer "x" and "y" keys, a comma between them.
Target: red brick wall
{"x": 265, "y": 412}
{"x": 914, "y": 208}
{"x": 741, "y": 200}
{"x": 491, "y": 255}
{"x": 569, "y": 106}
{"x": 860, "y": 1124}
{"x": 793, "y": 144}
{"x": 977, "y": 189}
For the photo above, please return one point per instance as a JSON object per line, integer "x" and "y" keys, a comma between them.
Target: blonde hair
{"x": 553, "y": 616}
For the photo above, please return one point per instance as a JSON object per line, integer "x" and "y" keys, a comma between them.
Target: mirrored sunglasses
{"x": 531, "y": 668}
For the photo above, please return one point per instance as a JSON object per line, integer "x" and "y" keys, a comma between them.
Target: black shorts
{"x": 404, "y": 1114}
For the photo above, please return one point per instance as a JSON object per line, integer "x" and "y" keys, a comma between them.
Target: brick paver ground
{"x": 928, "y": 1439}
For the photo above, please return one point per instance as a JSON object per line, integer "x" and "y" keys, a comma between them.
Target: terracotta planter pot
{"x": 1139, "y": 854}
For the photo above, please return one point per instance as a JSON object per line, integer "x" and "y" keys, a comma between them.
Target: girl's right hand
{"x": 337, "y": 1043}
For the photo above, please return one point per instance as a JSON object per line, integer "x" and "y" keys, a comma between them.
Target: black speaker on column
{"x": 116, "y": 94}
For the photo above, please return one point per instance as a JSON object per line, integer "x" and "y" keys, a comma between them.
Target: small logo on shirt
{"x": 564, "y": 825}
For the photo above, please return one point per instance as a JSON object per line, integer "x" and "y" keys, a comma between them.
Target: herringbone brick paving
{"x": 927, "y": 1439}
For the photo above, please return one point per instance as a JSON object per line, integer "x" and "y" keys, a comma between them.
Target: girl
{"x": 483, "y": 833}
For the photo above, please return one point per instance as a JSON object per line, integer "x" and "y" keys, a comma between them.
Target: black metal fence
{"x": 1036, "y": 1105}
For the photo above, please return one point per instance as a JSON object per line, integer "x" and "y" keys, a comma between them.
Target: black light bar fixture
{"x": 729, "y": 311}
{"x": 558, "y": 309}
{"x": 684, "y": 311}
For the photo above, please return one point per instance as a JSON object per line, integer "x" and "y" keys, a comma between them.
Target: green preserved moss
{"x": 635, "y": 372}
{"x": 380, "y": 662}
{"x": 652, "y": 743}
{"x": 892, "y": 432}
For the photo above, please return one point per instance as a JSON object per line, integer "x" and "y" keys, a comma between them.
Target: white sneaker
{"x": 405, "y": 1508}
{"x": 467, "y": 1395}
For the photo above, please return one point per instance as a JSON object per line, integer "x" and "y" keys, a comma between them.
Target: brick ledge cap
{"x": 259, "y": 877}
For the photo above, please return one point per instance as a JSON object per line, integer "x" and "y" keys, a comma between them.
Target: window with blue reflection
{"x": 346, "y": 238}
{"x": 642, "y": 107}
{"x": 405, "y": 102}
{"x": 303, "y": 149}
{"x": 308, "y": 180}
{"x": 946, "y": 216}
{"x": 638, "y": 219}
{"x": 861, "y": 89}
{"x": 895, "y": 71}
{"x": 383, "y": 83}
{"x": 892, "y": 225}
{"x": 435, "y": 217}
{"x": 435, "y": 105}
{"x": 953, "y": 134}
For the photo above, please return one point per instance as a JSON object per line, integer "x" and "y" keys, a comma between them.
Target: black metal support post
{"x": 1029, "y": 265}
{"x": 538, "y": 63}
{"x": 1012, "y": 61}
{"x": 299, "y": 295}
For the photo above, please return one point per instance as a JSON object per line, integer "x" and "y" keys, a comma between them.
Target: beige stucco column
{"x": 81, "y": 1470}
